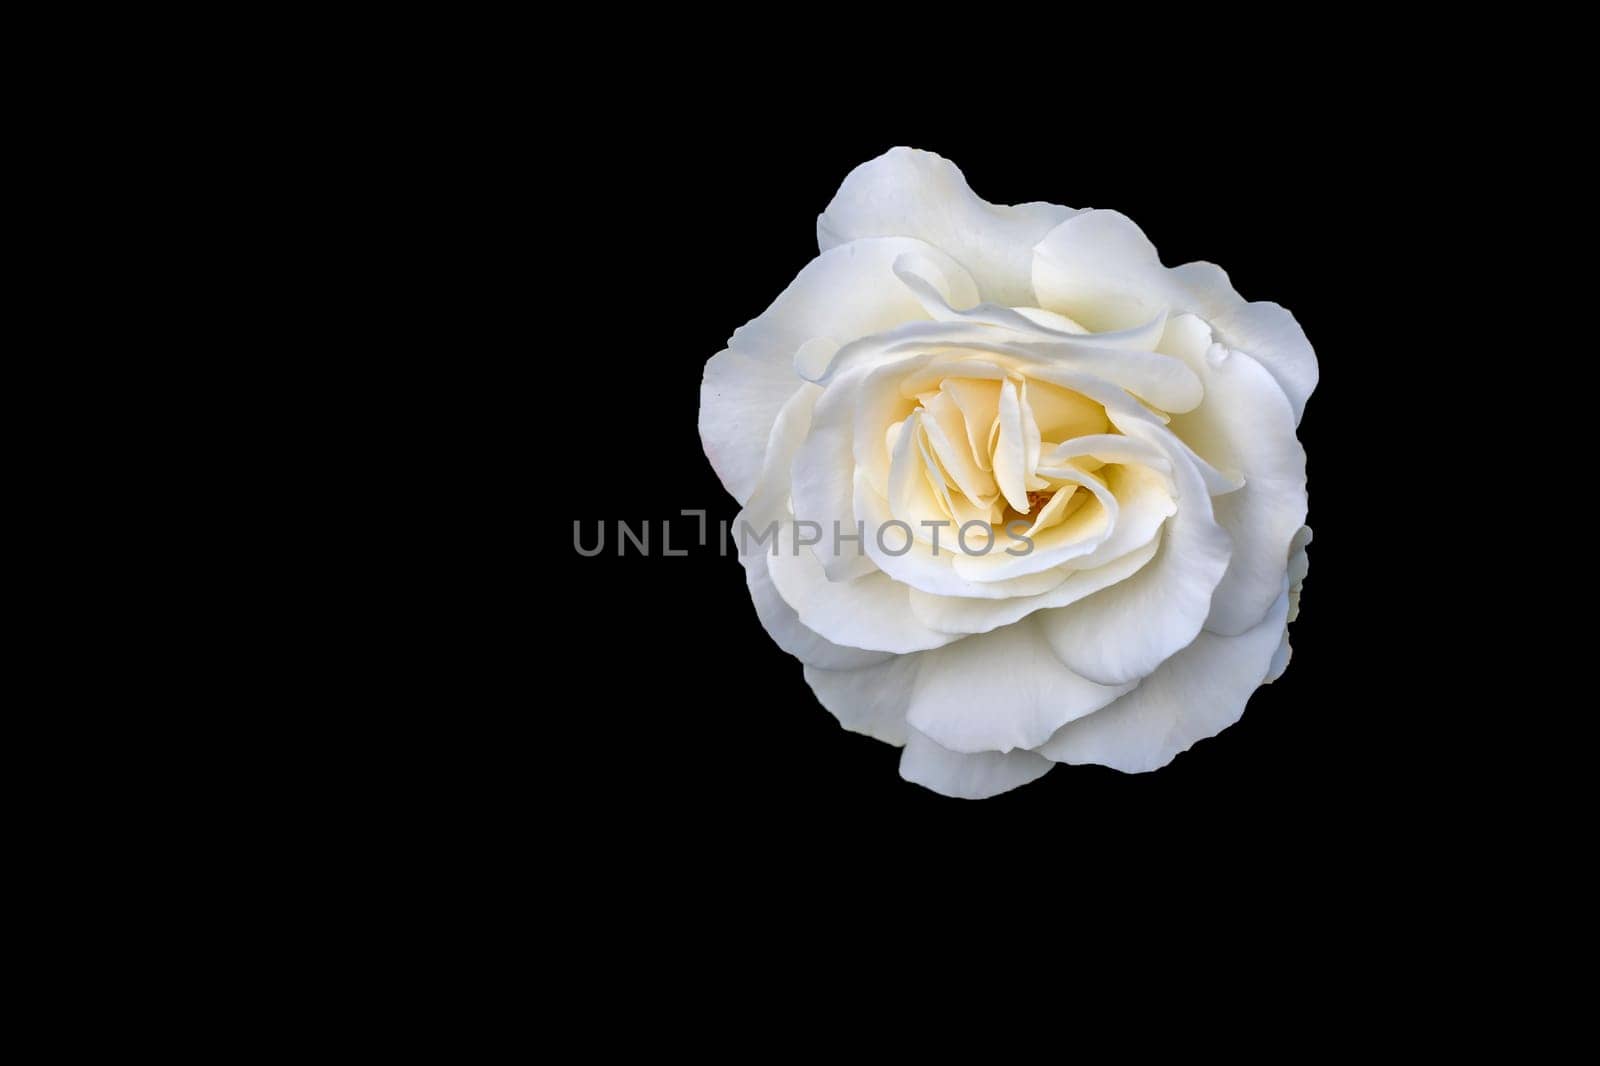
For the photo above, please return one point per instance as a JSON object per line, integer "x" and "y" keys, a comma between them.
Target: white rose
{"x": 949, "y": 360}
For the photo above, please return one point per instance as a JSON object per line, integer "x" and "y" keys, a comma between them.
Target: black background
{"x": 672, "y": 716}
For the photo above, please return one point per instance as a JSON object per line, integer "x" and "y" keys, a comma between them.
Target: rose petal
{"x": 871, "y": 612}
{"x": 1032, "y": 323}
{"x": 1122, "y": 633}
{"x": 1197, "y": 693}
{"x": 1262, "y": 328}
{"x": 1246, "y": 425}
{"x": 949, "y": 436}
{"x": 960, "y": 776}
{"x": 979, "y": 403}
{"x": 1101, "y": 272}
{"x": 965, "y": 614}
{"x": 766, "y": 506}
{"x": 1098, "y": 267}
{"x": 1280, "y": 660}
{"x": 920, "y": 568}
{"x": 1126, "y": 358}
{"x": 1063, "y": 414}
{"x": 1299, "y": 566}
{"x": 1144, "y": 501}
{"x": 740, "y": 398}
{"x": 1010, "y": 450}
{"x": 1000, "y": 690}
{"x": 789, "y": 633}
{"x": 845, "y": 293}
{"x": 1080, "y": 535}
{"x": 870, "y": 700}
{"x": 909, "y": 193}
{"x": 822, "y": 481}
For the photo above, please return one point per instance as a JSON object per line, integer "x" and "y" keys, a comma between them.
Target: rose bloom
{"x": 1073, "y": 471}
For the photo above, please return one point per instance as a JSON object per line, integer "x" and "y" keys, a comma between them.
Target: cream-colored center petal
{"x": 979, "y": 404}
{"x": 1011, "y": 449}
{"x": 981, "y": 442}
{"x": 981, "y": 435}
{"x": 948, "y": 433}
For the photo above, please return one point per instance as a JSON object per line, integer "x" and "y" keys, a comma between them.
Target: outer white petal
{"x": 979, "y": 776}
{"x": 1246, "y": 425}
{"x": 1125, "y": 358}
{"x": 1280, "y": 660}
{"x": 1162, "y": 380}
{"x": 740, "y": 398}
{"x": 784, "y": 625}
{"x": 871, "y": 700}
{"x": 998, "y": 691}
{"x": 872, "y": 612}
{"x": 1299, "y": 566}
{"x": 964, "y": 614}
{"x": 916, "y": 338}
{"x": 926, "y": 282}
{"x": 909, "y": 193}
{"x": 1196, "y": 694}
{"x": 822, "y": 480}
{"x": 846, "y": 293}
{"x": 765, "y": 505}
{"x": 769, "y": 500}
{"x": 1099, "y": 269}
{"x": 1122, "y": 633}
{"x": 1270, "y": 333}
